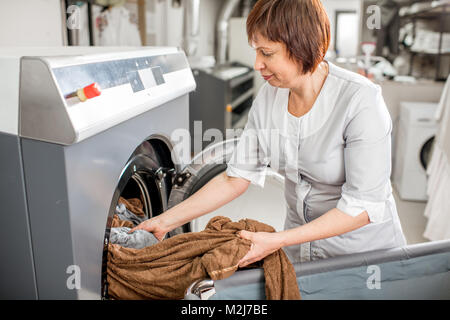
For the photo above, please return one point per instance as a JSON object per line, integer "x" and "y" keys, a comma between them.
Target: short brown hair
{"x": 302, "y": 25}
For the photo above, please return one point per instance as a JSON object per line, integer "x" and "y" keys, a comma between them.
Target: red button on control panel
{"x": 91, "y": 91}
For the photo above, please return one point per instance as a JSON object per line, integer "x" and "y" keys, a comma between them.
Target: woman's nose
{"x": 259, "y": 64}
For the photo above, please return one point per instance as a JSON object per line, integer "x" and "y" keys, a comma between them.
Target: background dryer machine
{"x": 416, "y": 131}
{"x": 64, "y": 162}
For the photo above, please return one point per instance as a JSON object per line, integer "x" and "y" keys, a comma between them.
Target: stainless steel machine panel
{"x": 130, "y": 85}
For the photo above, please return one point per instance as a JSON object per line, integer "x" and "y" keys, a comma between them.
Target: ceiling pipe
{"x": 222, "y": 30}
{"x": 191, "y": 26}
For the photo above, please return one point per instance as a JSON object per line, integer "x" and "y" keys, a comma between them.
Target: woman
{"x": 333, "y": 130}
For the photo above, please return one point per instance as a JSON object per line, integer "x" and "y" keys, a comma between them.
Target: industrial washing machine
{"x": 78, "y": 129}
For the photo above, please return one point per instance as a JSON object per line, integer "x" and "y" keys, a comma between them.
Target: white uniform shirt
{"x": 338, "y": 155}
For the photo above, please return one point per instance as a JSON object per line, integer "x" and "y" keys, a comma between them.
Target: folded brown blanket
{"x": 166, "y": 269}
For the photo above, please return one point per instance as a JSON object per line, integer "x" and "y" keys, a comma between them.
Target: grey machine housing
{"x": 64, "y": 170}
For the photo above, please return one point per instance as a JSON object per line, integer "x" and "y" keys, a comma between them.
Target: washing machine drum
{"x": 145, "y": 177}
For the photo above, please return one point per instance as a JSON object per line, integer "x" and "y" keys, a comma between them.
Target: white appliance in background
{"x": 417, "y": 128}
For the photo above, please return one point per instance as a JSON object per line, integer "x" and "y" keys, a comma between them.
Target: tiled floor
{"x": 268, "y": 205}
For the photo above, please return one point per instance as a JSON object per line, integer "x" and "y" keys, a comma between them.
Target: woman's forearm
{"x": 332, "y": 223}
{"x": 216, "y": 193}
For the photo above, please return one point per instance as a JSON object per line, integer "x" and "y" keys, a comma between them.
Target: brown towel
{"x": 165, "y": 270}
{"x": 134, "y": 205}
{"x": 117, "y": 223}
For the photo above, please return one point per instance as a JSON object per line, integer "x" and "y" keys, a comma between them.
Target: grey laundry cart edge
{"x": 419, "y": 271}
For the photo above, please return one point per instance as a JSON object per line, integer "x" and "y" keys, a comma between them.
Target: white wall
{"x": 31, "y": 23}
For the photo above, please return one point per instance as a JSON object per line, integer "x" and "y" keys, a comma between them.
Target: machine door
{"x": 266, "y": 204}
{"x": 205, "y": 166}
{"x": 147, "y": 180}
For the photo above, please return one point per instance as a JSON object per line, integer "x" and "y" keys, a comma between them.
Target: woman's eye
{"x": 266, "y": 54}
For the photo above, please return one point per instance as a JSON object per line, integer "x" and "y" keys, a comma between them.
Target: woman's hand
{"x": 153, "y": 225}
{"x": 263, "y": 244}
{"x": 216, "y": 193}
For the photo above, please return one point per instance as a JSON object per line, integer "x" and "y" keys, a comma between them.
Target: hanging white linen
{"x": 118, "y": 30}
{"x": 437, "y": 209}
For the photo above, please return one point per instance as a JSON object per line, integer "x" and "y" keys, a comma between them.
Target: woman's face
{"x": 273, "y": 62}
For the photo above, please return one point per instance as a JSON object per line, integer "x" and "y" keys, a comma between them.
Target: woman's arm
{"x": 330, "y": 224}
{"x": 216, "y": 193}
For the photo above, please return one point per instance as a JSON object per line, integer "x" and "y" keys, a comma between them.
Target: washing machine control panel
{"x": 139, "y": 73}
{"x": 68, "y": 99}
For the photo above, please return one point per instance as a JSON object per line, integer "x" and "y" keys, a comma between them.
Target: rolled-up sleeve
{"x": 367, "y": 157}
{"x": 249, "y": 158}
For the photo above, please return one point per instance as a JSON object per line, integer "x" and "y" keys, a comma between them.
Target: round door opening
{"x": 141, "y": 193}
{"x": 425, "y": 153}
{"x": 136, "y": 192}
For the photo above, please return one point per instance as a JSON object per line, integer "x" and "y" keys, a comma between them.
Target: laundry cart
{"x": 419, "y": 271}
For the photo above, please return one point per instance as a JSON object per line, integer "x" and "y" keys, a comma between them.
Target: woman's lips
{"x": 267, "y": 77}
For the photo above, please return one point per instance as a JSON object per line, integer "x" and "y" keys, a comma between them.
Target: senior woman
{"x": 326, "y": 129}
